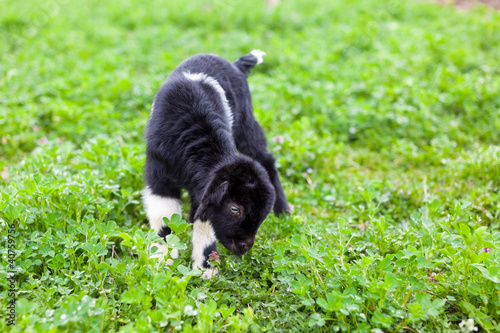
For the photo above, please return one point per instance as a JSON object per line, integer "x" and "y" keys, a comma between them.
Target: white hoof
{"x": 209, "y": 273}
{"x": 162, "y": 251}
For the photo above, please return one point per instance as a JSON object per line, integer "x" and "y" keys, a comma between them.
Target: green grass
{"x": 390, "y": 117}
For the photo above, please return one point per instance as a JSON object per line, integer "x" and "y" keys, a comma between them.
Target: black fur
{"x": 209, "y": 249}
{"x": 191, "y": 145}
{"x": 164, "y": 231}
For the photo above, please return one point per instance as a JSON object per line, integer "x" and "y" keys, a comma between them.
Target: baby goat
{"x": 202, "y": 136}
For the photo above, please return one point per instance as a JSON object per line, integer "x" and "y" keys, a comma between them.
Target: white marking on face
{"x": 259, "y": 55}
{"x": 158, "y": 207}
{"x": 201, "y": 77}
{"x": 203, "y": 237}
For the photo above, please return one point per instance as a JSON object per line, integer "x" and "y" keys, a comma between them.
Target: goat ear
{"x": 214, "y": 194}
{"x": 220, "y": 192}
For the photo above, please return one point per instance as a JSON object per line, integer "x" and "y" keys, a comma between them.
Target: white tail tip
{"x": 259, "y": 55}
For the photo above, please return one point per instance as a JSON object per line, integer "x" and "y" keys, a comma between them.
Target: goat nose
{"x": 246, "y": 245}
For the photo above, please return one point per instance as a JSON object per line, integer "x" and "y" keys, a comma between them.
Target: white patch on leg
{"x": 203, "y": 236}
{"x": 201, "y": 77}
{"x": 158, "y": 207}
{"x": 259, "y": 55}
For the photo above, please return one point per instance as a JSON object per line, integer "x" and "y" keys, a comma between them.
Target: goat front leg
{"x": 204, "y": 243}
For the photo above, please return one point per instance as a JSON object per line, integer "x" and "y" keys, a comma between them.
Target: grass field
{"x": 384, "y": 117}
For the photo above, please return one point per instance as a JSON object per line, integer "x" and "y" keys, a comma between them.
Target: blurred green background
{"x": 383, "y": 116}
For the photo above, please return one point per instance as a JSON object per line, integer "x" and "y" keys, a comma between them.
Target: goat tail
{"x": 247, "y": 62}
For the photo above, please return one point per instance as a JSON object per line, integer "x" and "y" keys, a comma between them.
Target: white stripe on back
{"x": 202, "y": 77}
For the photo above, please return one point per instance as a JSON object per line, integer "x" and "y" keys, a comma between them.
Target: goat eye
{"x": 235, "y": 210}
